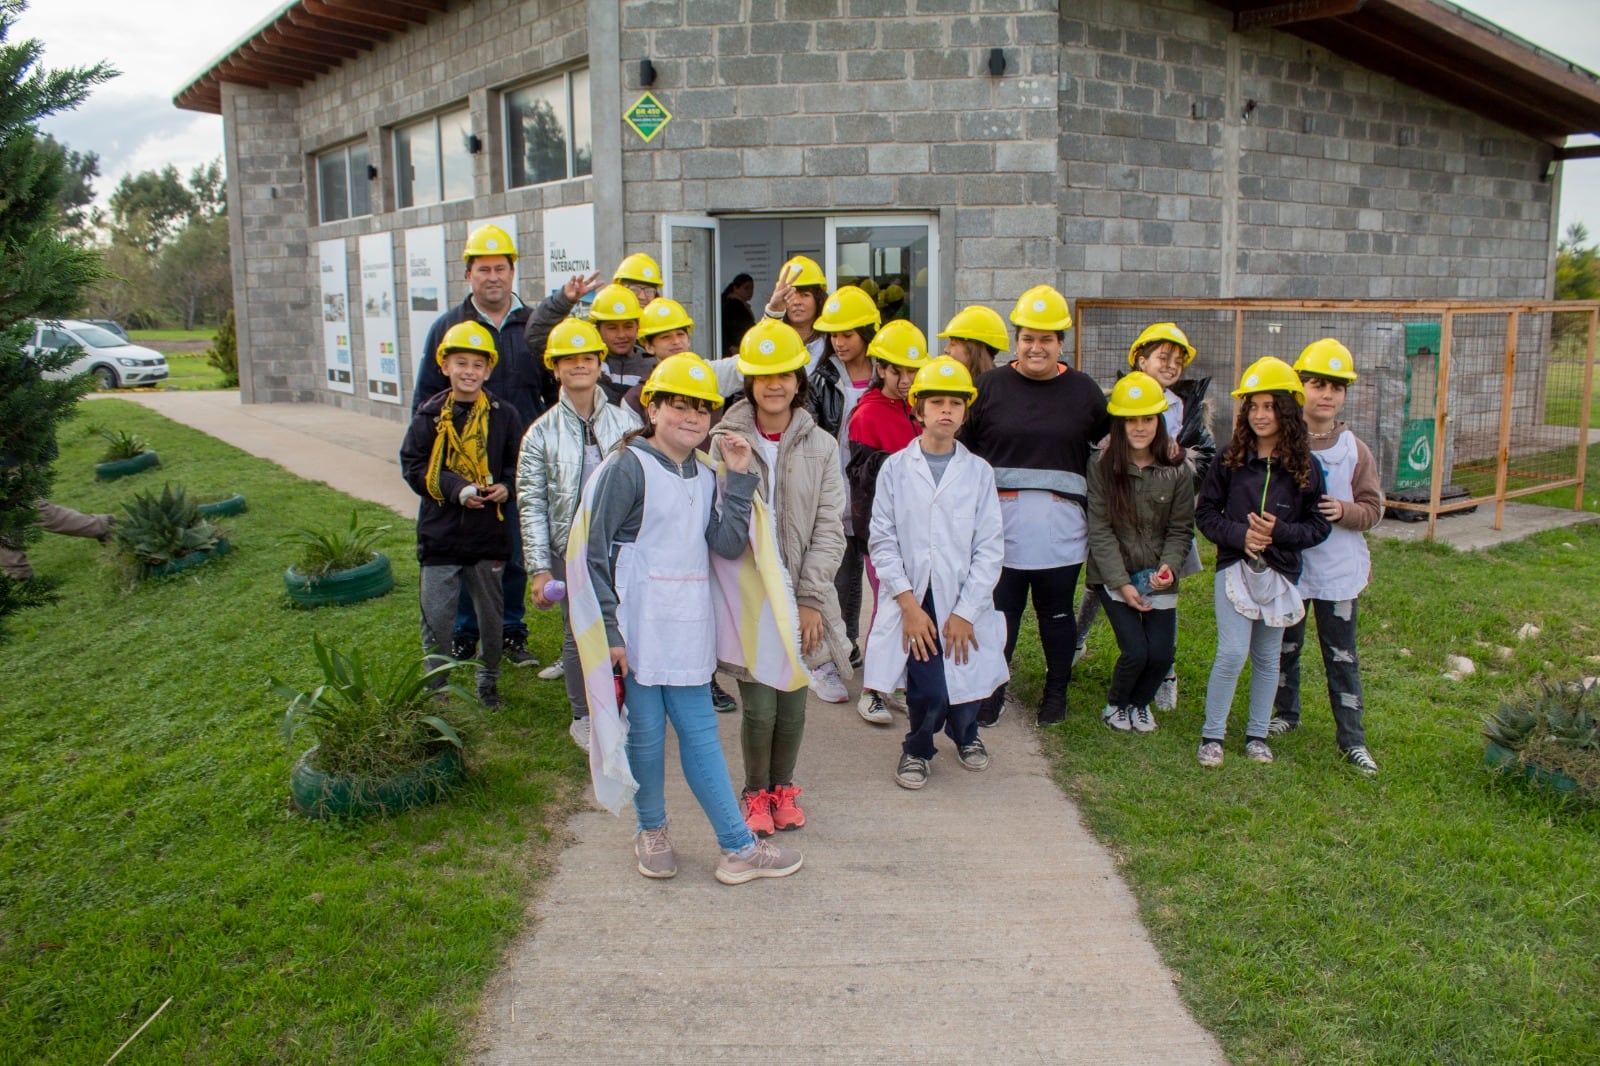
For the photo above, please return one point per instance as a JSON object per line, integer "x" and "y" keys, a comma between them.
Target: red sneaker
{"x": 757, "y": 808}
{"x": 786, "y": 812}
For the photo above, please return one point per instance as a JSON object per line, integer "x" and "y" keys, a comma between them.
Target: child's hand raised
{"x": 735, "y": 453}
{"x": 578, "y": 286}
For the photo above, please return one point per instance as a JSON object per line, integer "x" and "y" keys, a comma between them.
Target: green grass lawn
{"x": 189, "y": 370}
{"x": 146, "y": 336}
{"x": 1432, "y": 914}
{"x": 146, "y": 846}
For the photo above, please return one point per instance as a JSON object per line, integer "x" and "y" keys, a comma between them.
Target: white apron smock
{"x": 663, "y": 580}
{"x": 1340, "y": 567}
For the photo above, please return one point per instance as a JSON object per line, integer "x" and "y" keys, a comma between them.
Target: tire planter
{"x": 223, "y": 508}
{"x": 321, "y": 795}
{"x": 123, "y": 467}
{"x": 1503, "y": 760}
{"x": 367, "y": 581}
{"x": 186, "y": 562}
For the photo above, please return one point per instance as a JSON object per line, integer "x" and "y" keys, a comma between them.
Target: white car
{"x": 111, "y": 359}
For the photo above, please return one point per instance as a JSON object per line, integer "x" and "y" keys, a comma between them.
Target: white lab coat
{"x": 949, "y": 536}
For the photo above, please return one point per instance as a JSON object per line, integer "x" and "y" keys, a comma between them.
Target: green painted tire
{"x": 321, "y": 795}
{"x": 123, "y": 467}
{"x": 187, "y": 562}
{"x": 1503, "y": 760}
{"x": 224, "y": 508}
{"x": 367, "y": 581}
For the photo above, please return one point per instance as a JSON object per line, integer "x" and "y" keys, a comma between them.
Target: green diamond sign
{"x": 647, "y": 117}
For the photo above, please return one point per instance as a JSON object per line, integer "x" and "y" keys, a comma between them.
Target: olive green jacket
{"x": 1163, "y": 497}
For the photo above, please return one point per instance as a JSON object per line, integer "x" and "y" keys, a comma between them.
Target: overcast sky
{"x": 159, "y": 45}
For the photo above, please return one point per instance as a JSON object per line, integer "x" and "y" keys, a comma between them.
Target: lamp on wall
{"x": 647, "y": 72}
{"x": 474, "y": 144}
{"x": 372, "y": 172}
{"x": 997, "y": 61}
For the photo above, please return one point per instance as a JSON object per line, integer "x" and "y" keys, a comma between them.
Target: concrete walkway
{"x": 976, "y": 921}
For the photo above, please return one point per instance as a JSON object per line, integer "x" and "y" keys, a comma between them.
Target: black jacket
{"x": 518, "y": 376}
{"x": 447, "y": 532}
{"x": 1195, "y": 432}
{"x": 1229, "y": 493}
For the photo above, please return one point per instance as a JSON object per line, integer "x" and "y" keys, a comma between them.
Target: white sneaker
{"x": 827, "y": 686}
{"x": 554, "y": 672}
{"x": 1167, "y": 694}
{"x": 579, "y": 732}
{"x": 871, "y": 707}
{"x": 1142, "y": 720}
{"x": 1116, "y": 718}
{"x": 896, "y": 701}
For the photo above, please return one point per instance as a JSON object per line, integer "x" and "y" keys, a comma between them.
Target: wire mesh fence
{"x": 1462, "y": 404}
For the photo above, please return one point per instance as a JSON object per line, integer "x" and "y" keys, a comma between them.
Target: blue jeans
{"x": 513, "y": 586}
{"x": 1239, "y": 638}
{"x": 928, "y": 701}
{"x": 699, "y": 749}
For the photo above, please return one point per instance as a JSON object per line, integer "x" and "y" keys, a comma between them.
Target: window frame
{"x": 569, "y": 127}
{"x": 352, "y": 175}
{"x": 435, "y": 122}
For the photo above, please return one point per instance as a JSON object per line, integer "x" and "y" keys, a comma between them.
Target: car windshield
{"x": 95, "y": 337}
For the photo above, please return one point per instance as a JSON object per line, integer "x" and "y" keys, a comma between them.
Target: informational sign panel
{"x": 648, "y": 116}
{"x": 380, "y": 341}
{"x": 568, "y": 244}
{"x": 333, "y": 271}
{"x": 427, "y": 289}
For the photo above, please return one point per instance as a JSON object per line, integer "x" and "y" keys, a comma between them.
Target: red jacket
{"x": 879, "y": 427}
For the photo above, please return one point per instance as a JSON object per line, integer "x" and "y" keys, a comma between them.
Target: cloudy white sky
{"x": 159, "y": 44}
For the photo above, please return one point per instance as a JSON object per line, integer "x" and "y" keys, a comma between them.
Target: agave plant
{"x": 323, "y": 553}
{"x": 1557, "y": 730}
{"x": 155, "y": 530}
{"x": 120, "y": 444}
{"x": 372, "y": 723}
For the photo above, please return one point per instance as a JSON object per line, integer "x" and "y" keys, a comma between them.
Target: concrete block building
{"x": 961, "y": 149}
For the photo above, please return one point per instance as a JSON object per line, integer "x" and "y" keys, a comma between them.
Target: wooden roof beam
{"x": 410, "y": 10}
{"x": 355, "y": 18}
{"x": 1293, "y": 11}
{"x": 263, "y": 56}
{"x": 298, "y": 40}
{"x": 320, "y": 29}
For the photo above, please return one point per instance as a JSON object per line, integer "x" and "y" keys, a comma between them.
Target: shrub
{"x": 1555, "y": 731}
{"x": 224, "y": 352}
{"x": 322, "y": 553}
{"x": 121, "y": 444}
{"x": 154, "y": 530}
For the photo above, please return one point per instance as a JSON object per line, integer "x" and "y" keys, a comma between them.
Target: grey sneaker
{"x": 766, "y": 860}
{"x": 872, "y": 708}
{"x": 1116, "y": 718}
{"x": 1167, "y": 694}
{"x": 514, "y": 650}
{"x": 1279, "y": 726}
{"x": 1257, "y": 751}
{"x": 554, "y": 672}
{"x": 974, "y": 756}
{"x": 1362, "y": 760}
{"x": 912, "y": 772}
{"x": 579, "y": 732}
{"x": 654, "y": 850}
{"x": 1210, "y": 753}
{"x": 1141, "y": 719}
{"x": 827, "y": 685}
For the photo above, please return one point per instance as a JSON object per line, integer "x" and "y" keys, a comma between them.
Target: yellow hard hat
{"x": 664, "y": 316}
{"x": 771, "y": 347}
{"x": 893, "y": 294}
{"x": 1162, "y": 331}
{"x": 640, "y": 268}
{"x": 900, "y": 343}
{"x": 810, "y": 274}
{"x": 1042, "y": 307}
{"x": 1270, "y": 374}
{"x": 614, "y": 303}
{"x": 489, "y": 240}
{"x": 1327, "y": 358}
{"x": 572, "y": 336}
{"x": 848, "y": 308}
{"x": 468, "y": 337}
{"x": 981, "y": 324}
{"x": 943, "y": 374}
{"x": 868, "y": 286}
{"x": 684, "y": 374}
{"x": 1136, "y": 394}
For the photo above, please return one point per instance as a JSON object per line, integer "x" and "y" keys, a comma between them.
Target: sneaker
{"x": 992, "y": 707}
{"x": 1167, "y": 694}
{"x": 767, "y": 860}
{"x": 1279, "y": 726}
{"x": 462, "y": 648}
{"x": 912, "y": 772}
{"x": 1362, "y": 760}
{"x": 1116, "y": 718}
{"x": 872, "y": 708}
{"x": 1257, "y": 751}
{"x": 554, "y": 672}
{"x": 757, "y": 810}
{"x": 490, "y": 697}
{"x": 896, "y": 701}
{"x": 786, "y": 812}
{"x": 1141, "y": 719}
{"x": 653, "y": 848}
{"x": 855, "y": 655}
{"x": 1077, "y": 653}
{"x": 1210, "y": 753}
{"x": 579, "y": 732}
{"x": 720, "y": 700}
{"x": 974, "y": 756}
{"x": 514, "y": 650}
{"x": 1053, "y": 708}
{"x": 827, "y": 686}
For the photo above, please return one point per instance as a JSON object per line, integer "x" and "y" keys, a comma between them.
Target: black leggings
{"x": 1148, "y": 641}
{"x": 847, "y": 582}
{"x": 1052, "y": 602}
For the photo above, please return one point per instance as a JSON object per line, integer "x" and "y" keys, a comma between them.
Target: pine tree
{"x": 42, "y": 272}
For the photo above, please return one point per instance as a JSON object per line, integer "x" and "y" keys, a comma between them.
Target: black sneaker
{"x": 490, "y": 697}
{"x": 992, "y": 707}
{"x": 912, "y": 772}
{"x": 463, "y": 648}
{"x": 720, "y": 700}
{"x": 514, "y": 651}
{"x": 1053, "y": 708}
{"x": 855, "y": 655}
{"x": 974, "y": 756}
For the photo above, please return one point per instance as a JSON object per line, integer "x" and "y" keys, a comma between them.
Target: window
{"x": 433, "y": 160}
{"x": 343, "y": 189}
{"x": 547, "y": 130}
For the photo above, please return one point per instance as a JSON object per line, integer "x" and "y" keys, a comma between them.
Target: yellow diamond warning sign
{"x": 647, "y": 116}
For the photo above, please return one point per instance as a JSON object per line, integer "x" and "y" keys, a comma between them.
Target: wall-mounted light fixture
{"x": 474, "y": 144}
{"x": 1550, "y": 169}
{"x": 647, "y": 72}
{"x": 372, "y": 172}
{"x": 997, "y": 61}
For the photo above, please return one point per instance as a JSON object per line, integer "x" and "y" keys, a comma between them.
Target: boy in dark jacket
{"x": 460, "y": 457}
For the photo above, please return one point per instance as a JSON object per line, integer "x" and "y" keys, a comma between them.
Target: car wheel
{"x": 105, "y": 377}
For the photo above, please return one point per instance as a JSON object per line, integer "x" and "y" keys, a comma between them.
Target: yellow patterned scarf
{"x": 465, "y": 453}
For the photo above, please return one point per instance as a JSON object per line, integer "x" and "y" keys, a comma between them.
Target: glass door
{"x": 689, "y": 261}
{"x": 894, "y": 257}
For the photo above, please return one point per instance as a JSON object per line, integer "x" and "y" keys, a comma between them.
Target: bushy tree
{"x": 1577, "y": 265}
{"x": 224, "y": 352}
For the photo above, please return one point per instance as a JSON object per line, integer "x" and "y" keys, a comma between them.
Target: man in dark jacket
{"x": 517, "y": 379}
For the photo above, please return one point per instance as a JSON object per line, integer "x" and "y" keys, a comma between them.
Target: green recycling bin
{"x": 1414, "y": 461}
